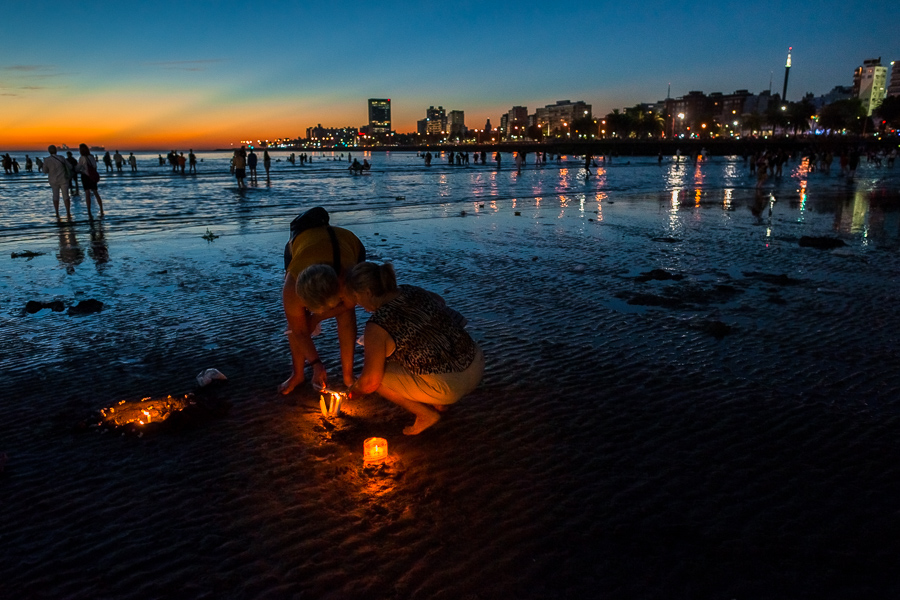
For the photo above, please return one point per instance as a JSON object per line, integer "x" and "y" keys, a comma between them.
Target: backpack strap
{"x": 335, "y": 250}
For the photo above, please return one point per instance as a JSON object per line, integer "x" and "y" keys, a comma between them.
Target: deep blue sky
{"x": 216, "y": 72}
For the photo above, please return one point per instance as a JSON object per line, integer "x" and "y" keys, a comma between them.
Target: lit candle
{"x": 375, "y": 450}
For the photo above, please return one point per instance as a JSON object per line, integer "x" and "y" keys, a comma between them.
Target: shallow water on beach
{"x": 729, "y": 432}
{"x": 400, "y": 187}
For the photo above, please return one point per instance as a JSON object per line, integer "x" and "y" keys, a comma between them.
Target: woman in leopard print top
{"x": 417, "y": 353}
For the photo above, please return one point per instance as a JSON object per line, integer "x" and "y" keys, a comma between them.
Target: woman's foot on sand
{"x": 293, "y": 381}
{"x": 422, "y": 423}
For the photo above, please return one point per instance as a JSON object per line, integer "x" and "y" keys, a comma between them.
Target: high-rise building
{"x": 870, "y": 84}
{"x": 379, "y": 116}
{"x": 436, "y": 121}
{"x": 894, "y": 86}
{"x": 516, "y": 123}
{"x": 557, "y": 118}
{"x": 457, "y": 123}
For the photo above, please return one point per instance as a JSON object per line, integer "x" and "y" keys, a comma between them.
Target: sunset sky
{"x": 151, "y": 76}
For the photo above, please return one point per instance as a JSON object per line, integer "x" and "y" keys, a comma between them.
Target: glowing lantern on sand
{"x": 375, "y": 450}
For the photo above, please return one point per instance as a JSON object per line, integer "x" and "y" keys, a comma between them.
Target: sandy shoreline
{"x": 615, "y": 449}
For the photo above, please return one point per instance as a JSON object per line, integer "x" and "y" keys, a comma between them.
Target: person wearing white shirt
{"x": 57, "y": 169}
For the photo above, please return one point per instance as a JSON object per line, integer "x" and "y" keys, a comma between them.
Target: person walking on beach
{"x": 87, "y": 166}
{"x": 73, "y": 164}
{"x": 418, "y": 354}
{"x": 239, "y": 165}
{"x": 317, "y": 258}
{"x": 58, "y": 176}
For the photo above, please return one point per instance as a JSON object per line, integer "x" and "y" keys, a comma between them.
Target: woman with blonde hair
{"x": 417, "y": 352}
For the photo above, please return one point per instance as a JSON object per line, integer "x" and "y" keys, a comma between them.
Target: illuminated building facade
{"x": 330, "y": 137}
{"x": 516, "y": 126}
{"x": 557, "y": 118}
{"x": 379, "y": 116}
{"x": 870, "y": 84}
{"x": 436, "y": 121}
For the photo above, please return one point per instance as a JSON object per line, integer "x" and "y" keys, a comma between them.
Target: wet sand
{"x": 732, "y": 433}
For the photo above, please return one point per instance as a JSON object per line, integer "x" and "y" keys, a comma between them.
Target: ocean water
{"x": 399, "y": 186}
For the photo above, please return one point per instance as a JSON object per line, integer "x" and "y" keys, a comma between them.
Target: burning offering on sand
{"x": 375, "y": 450}
{"x": 156, "y": 414}
{"x": 145, "y": 411}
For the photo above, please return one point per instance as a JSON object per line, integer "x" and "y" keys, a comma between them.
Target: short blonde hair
{"x": 317, "y": 286}
{"x": 379, "y": 279}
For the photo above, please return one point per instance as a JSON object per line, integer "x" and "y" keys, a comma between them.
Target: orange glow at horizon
{"x": 148, "y": 119}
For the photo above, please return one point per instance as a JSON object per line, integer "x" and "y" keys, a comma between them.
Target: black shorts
{"x": 240, "y": 173}
{"x": 87, "y": 183}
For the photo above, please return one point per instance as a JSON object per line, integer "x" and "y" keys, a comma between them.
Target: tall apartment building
{"x": 556, "y": 118}
{"x": 516, "y": 123}
{"x": 435, "y": 121}
{"x": 457, "y": 124}
{"x": 870, "y": 84}
{"x": 379, "y": 116}
{"x": 894, "y": 86}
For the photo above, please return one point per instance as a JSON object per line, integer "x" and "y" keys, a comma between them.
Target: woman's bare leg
{"x": 426, "y": 416}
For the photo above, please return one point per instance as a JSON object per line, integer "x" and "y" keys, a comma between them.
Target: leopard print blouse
{"x": 427, "y": 338}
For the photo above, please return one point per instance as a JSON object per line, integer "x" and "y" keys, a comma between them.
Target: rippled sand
{"x": 732, "y": 433}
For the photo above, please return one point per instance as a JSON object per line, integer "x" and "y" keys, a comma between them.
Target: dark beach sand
{"x": 738, "y": 439}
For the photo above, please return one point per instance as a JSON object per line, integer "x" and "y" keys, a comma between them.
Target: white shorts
{"x": 441, "y": 388}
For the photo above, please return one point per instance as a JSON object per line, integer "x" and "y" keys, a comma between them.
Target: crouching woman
{"x": 417, "y": 352}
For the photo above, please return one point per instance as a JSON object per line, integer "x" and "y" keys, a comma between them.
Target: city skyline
{"x": 209, "y": 74}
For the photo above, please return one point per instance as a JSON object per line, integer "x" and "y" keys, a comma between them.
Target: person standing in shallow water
{"x": 418, "y": 354}
{"x": 192, "y": 161}
{"x": 73, "y": 164}
{"x": 239, "y": 165}
{"x": 87, "y": 165}
{"x": 107, "y": 161}
{"x": 251, "y": 163}
{"x": 57, "y": 170}
{"x": 267, "y": 163}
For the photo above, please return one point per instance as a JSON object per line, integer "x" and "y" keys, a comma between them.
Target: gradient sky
{"x": 159, "y": 75}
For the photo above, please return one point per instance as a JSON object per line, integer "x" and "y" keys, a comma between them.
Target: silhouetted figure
{"x": 239, "y": 164}
{"x": 251, "y": 163}
{"x": 192, "y": 161}
{"x": 87, "y": 166}
{"x": 267, "y": 162}
{"x": 73, "y": 164}
{"x": 132, "y": 160}
{"x": 119, "y": 160}
{"x": 107, "y": 161}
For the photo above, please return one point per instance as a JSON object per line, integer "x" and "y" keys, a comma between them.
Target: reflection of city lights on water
{"x": 803, "y": 198}
{"x": 726, "y": 204}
